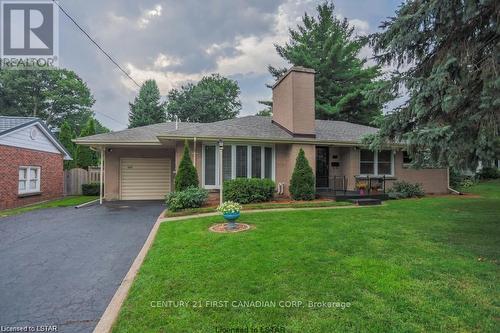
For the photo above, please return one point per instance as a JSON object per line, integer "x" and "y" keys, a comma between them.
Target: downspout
{"x": 448, "y": 182}
{"x": 101, "y": 176}
{"x": 221, "y": 171}
{"x": 194, "y": 151}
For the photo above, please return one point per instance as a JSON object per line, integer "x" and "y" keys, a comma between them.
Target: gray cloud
{"x": 179, "y": 41}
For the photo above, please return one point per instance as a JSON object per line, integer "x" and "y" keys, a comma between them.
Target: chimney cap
{"x": 294, "y": 69}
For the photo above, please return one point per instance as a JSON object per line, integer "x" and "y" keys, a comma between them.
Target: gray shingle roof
{"x": 256, "y": 127}
{"x": 139, "y": 134}
{"x": 8, "y": 123}
{"x": 250, "y": 127}
{"x": 341, "y": 131}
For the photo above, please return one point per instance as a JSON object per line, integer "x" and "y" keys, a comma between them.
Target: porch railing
{"x": 373, "y": 182}
{"x": 339, "y": 184}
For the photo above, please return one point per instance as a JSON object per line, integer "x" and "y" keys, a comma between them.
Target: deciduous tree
{"x": 52, "y": 95}
{"x": 213, "y": 98}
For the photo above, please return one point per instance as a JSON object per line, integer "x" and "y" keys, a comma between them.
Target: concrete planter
{"x": 231, "y": 218}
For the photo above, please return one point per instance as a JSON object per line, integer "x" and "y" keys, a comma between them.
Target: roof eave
{"x": 116, "y": 143}
{"x": 268, "y": 140}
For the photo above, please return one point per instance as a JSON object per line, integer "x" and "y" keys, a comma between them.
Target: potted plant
{"x": 231, "y": 212}
{"x": 361, "y": 186}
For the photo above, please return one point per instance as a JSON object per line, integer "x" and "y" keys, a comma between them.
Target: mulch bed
{"x": 223, "y": 228}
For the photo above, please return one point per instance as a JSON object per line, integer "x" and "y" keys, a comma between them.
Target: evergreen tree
{"x": 346, "y": 88}
{"x": 302, "y": 184}
{"x": 446, "y": 53}
{"x": 85, "y": 156}
{"x": 186, "y": 175}
{"x": 147, "y": 108}
{"x": 66, "y": 134}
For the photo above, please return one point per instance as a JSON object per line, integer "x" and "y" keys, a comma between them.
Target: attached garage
{"x": 145, "y": 178}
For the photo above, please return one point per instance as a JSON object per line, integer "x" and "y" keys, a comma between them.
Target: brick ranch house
{"x": 31, "y": 162}
{"x": 140, "y": 163}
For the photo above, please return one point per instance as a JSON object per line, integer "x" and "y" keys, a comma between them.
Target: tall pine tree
{"x": 147, "y": 109}
{"x": 346, "y": 88}
{"x": 447, "y": 55}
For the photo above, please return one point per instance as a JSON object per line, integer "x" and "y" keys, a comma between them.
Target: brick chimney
{"x": 293, "y": 102}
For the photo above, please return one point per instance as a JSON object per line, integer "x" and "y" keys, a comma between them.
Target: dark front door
{"x": 322, "y": 171}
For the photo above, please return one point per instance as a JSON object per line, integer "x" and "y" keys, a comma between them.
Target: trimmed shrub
{"x": 402, "y": 189}
{"x": 467, "y": 182}
{"x": 91, "y": 189}
{"x": 248, "y": 190}
{"x": 302, "y": 186}
{"x": 192, "y": 197}
{"x": 489, "y": 173}
{"x": 186, "y": 175}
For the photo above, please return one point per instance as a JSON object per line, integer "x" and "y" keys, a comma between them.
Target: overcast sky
{"x": 175, "y": 42}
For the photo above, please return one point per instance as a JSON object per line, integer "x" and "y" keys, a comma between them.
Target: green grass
{"x": 418, "y": 265}
{"x": 263, "y": 205}
{"x": 64, "y": 202}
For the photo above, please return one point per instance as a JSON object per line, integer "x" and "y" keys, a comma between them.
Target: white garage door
{"x": 144, "y": 178}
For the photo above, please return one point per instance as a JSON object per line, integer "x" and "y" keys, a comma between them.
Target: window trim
{"x": 217, "y": 171}
{"x": 28, "y": 179}
{"x": 233, "y": 161}
{"x": 375, "y": 164}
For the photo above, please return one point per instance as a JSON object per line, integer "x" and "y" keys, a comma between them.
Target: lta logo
{"x": 29, "y": 34}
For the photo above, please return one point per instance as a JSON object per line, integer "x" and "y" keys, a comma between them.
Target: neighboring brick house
{"x": 31, "y": 162}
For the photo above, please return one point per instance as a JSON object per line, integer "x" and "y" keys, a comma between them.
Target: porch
{"x": 347, "y": 195}
{"x": 338, "y": 175}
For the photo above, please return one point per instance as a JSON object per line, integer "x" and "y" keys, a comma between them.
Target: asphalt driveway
{"x": 62, "y": 266}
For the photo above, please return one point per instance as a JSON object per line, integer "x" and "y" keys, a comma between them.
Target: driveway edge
{"x": 110, "y": 315}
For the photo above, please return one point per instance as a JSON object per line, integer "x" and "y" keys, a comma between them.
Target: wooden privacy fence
{"x": 94, "y": 175}
{"x": 75, "y": 178}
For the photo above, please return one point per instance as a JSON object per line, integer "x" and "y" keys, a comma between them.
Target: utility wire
{"x": 104, "y": 52}
{"x": 96, "y": 44}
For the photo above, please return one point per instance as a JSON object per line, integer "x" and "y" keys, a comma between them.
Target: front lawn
{"x": 64, "y": 202}
{"x": 417, "y": 265}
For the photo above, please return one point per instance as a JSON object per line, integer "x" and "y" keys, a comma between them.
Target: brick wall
{"x": 51, "y": 166}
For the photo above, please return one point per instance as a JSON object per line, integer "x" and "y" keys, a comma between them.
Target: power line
{"x": 105, "y": 115}
{"x": 96, "y": 44}
{"x": 104, "y": 52}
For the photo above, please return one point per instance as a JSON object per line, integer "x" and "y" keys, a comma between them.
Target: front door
{"x": 322, "y": 170}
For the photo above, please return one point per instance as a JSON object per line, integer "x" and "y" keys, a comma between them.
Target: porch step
{"x": 366, "y": 202}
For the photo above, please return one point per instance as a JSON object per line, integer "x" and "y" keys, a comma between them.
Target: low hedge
{"x": 248, "y": 190}
{"x": 192, "y": 197}
{"x": 91, "y": 189}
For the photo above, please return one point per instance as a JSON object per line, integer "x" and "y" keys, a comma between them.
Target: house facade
{"x": 140, "y": 163}
{"x": 31, "y": 162}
